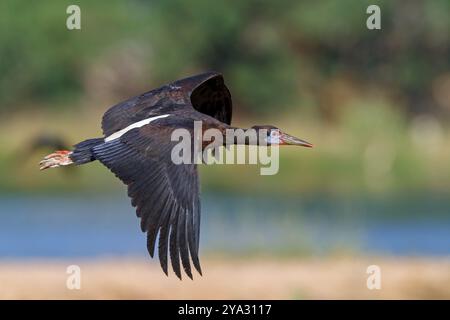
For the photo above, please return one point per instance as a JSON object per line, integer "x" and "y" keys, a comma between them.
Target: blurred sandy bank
{"x": 310, "y": 278}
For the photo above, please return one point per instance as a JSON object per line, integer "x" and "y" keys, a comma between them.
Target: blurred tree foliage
{"x": 275, "y": 54}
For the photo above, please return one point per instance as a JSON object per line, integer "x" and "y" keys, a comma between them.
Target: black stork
{"x": 136, "y": 147}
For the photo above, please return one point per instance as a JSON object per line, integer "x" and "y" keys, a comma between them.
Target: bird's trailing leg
{"x": 56, "y": 159}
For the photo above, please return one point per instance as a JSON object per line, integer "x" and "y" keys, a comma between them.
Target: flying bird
{"x": 136, "y": 147}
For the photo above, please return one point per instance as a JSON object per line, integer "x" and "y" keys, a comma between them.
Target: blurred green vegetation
{"x": 375, "y": 103}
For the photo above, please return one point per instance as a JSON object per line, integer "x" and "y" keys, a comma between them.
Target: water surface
{"x": 84, "y": 226}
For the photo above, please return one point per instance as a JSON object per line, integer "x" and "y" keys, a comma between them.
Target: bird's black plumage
{"x": 166, "y": 196}
{"x": 205, "y": 93}
{"x": 137, "y": 148}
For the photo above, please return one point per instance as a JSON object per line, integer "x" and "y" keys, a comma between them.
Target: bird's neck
{"x": 240, "y": 136}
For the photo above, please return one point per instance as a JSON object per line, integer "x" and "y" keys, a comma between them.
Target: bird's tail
{"x": 81, "y": 154}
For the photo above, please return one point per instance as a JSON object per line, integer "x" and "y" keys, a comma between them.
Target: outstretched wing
{"x": 205, "y": 92}
{"x": 210, "y": 96}
{"x": 166, "y": 195}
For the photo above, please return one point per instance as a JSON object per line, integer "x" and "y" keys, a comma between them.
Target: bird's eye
{"x": 274, "y": 133}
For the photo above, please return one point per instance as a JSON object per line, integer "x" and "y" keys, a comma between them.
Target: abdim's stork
{"x": 137, "y": 146}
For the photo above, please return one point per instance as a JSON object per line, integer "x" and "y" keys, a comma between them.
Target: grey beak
{"x": 291, "y": 140}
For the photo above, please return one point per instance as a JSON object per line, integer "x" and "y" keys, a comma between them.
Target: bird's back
{"x": 205, "y": 93}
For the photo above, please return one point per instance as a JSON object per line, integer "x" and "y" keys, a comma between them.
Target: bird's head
{"x": 274, "y": 136}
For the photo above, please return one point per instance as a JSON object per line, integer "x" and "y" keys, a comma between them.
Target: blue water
{"x": 107, "y": 226}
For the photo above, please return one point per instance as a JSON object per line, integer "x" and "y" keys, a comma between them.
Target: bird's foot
{"x": 56, "y": 159}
